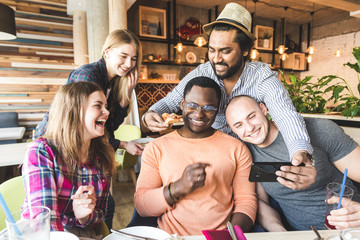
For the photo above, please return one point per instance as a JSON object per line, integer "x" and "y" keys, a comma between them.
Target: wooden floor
{"x": 123, "y": 193}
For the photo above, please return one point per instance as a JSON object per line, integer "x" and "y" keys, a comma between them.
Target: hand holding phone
{"x": 265, "y": 171}
{"x": 294, "y": 177}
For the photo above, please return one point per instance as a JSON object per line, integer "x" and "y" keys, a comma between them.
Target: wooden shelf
{"x": 149, "y": 39}
{"x": 159, "y": 81}
{"x": 170, "y": 63}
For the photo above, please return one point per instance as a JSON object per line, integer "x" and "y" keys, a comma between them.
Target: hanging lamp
{"x": 311, "y": 49}
{"x": 7, "y": 23}
{"x": 309, "y": 58}
{"x": 254, "y": 53}
{"x": 284, "y": 56}
{"x": 281, "y": 48}
{"x": 200, "y": 41}
{"x": 337, "y": 53}
{"x": 179, "y": 47}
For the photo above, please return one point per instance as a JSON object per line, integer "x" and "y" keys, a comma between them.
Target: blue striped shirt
{"x": 258, "y": 81}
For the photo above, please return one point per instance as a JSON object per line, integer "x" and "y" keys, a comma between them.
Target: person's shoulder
{"x": 258, "y": 65}
{"x": 90, "y": 67}
{"x": 159, "y": 141}
{"x": 221, "y": 136}
{"x": 41, "y": 146}
{"x": 40, "y": 142}
{"x": 258, "y": 68}
{"x": 40, "y": 152}
{"x": 205, "y": 69}
{"x": 320, "y": 123}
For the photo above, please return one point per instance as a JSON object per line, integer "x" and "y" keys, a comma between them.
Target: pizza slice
{"x": 171, "y": 118}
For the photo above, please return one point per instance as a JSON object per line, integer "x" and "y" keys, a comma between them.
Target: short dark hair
{"x": 204, "y": 82}
{"x": 245, "y": 43}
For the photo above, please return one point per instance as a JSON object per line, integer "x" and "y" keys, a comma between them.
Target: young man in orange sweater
{"x": 188, "y": 176}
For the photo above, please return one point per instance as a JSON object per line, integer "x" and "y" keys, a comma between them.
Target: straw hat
{"x": 235, "y": 15}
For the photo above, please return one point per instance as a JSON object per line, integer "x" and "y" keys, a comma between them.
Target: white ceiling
{"x": 298, "y": 11}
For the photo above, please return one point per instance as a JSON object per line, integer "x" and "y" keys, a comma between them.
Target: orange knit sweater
{"x": 227, "y": 188}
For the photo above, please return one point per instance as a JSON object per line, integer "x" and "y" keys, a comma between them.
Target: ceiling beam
{"x": 346, "y": 5}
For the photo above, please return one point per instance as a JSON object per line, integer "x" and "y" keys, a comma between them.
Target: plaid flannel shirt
{"x": 48, "y": 183}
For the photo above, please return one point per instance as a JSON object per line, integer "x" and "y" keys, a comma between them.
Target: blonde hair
{"x": 119, "y": 85}
{"x": 65, "y": 129}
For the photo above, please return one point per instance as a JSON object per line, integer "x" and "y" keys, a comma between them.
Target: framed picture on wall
{"x": 264, "y": 35}
{"x": 152, "y": 22}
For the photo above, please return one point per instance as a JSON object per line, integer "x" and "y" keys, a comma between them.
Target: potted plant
{"x": 351, "y": 104}
{"x": 266, "y": 38}
{"x": 312, "y": 96}
{"x": 309, "y": 96}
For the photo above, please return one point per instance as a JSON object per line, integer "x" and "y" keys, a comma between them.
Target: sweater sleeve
{"x": 149, "y": 197}
{"x": 244, "y": 190}
{"x": 290, "y": 123}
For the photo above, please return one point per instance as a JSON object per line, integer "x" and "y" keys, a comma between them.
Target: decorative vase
{"x": 266, "y": 43}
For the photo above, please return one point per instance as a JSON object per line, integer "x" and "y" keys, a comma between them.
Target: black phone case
{"x": 265, "y": 171}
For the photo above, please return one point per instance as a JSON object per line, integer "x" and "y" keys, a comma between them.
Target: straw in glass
{"x": 8, "y": 215}
{"x": 342, "y": 188}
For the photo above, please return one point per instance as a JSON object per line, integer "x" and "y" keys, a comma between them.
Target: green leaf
{"x": 356, "y": 53}
{"x": 293, "y": 79}
{"x": 355, "y": 111}
{"x": 355, "y": 66}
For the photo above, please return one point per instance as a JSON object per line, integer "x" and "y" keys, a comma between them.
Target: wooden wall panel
{"x": 38, "y": 62}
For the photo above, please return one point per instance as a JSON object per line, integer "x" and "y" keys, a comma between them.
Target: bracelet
{"x": 175, "y": 199}
{"x": 143, "y": 118}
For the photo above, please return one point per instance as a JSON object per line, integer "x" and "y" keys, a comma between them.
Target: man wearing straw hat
{"x": 230, "y": 40}
{"x": 334, "y": 151}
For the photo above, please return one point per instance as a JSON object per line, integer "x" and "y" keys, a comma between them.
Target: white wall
{"x": 324, "y": 61}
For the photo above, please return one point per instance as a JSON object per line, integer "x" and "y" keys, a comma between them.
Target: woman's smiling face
{"x": 95, "y": 115}
{"x": 120, "y": 60}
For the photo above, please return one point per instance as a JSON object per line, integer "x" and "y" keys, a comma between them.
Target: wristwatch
{"x": 312, "y": 160}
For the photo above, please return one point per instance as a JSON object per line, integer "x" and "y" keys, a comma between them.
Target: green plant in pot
{"x": 305, "y": 95}
{"x": 350, "y": 105}
{"x": 266, "y": 38}
{"x": 309, "y": 96}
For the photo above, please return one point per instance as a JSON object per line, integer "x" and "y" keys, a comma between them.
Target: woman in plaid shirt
{"x": 69, "y": 168}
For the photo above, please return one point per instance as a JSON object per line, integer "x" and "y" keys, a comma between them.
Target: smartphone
{"x": 265, "y": 171}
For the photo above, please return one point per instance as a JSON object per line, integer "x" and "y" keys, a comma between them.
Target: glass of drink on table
{"x": 32, "y": 223}
{"x": 332, "y": 199}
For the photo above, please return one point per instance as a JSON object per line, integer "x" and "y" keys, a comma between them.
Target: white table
{"x": 12, "y": 133}
{"x": 12, "y": 154}
{"x": 293, "y": 235}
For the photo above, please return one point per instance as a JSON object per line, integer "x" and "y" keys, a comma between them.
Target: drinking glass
{"x": 332, "y": 196}
{"x": 33, "y": 223}
{"x": 350, "y": 234}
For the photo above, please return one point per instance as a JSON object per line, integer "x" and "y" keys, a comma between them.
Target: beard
{"x": 231, "y": 70}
